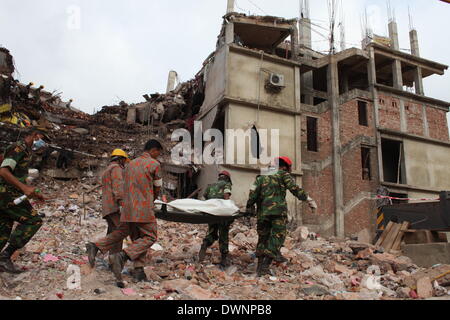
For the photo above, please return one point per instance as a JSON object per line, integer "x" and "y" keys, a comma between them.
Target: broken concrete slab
{"x": 315, "y": 290}
{"x": 424, "y": 288}
{"x": 365, "y": 236}
{"x": 428, "y": 255}
{"x": 440, "y": 273}
{"x": 176, "y": 285}
{"x": 197, "y": 293}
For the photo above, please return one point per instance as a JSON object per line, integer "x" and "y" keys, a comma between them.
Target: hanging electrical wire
{"x": 236, "y": 4}
{"x": 256, "y": 6}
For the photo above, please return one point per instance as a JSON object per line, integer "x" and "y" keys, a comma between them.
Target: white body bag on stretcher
{"x": 197, "y": 211}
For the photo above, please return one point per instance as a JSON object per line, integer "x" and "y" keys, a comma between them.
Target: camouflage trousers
{"x": 24, "y": 214}
{"x": 113, "y": 221}
{"x": 219, "y": 232}
{"x": 144, "y": 235}
{"x": 272, "y": 231}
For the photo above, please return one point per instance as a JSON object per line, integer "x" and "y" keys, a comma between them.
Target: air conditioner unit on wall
{"x": 276, "y": 80}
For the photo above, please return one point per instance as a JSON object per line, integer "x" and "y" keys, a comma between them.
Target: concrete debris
{"x": 322, "y": 269}
{"x": 424, "y": 288}
{"x": 365, "y": 236}
{"x": 302, "y": 233}
{"x": 55, "y": 265}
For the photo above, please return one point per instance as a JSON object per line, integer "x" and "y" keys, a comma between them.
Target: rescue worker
{"x": 269, "y": 191}
{"x": 112, "y": 193}
{"x": 13, "y": 174}
{"x": 219, "y": 231}
{"x": 142, "y": 184}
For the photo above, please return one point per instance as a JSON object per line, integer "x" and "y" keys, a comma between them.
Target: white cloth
{"x": 215, "y": 207}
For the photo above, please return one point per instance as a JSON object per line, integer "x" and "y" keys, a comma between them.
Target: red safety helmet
{"x": 225, "y": 173}
{"x": 286, "y": 160}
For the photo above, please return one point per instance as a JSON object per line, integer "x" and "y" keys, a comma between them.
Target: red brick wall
{"x": 388, "y": 113}
{"x": 437, "y": 122}
{"x": 361, "y": 217}
{"x": 350, "y": 127}
{"x": 320, "y": 185}
{"x": 414, "y": 117}
{"x": 325, "y": 142}
{"x": 352, "y": 174}
{"x": 321, "y": 188}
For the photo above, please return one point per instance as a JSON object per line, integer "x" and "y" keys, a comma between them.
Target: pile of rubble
{"x": 317, "y": 268}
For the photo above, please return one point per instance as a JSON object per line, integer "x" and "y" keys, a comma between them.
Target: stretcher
{"x": 192, "y": 218}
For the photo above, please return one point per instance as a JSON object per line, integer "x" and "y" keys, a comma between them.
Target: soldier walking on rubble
{"x": 13, "y": 174}
{"x": 142, "y": 184}
{"x": 219, "y": 231}
{"x": 112, "y": 193}
{"x": 269, "y": 191}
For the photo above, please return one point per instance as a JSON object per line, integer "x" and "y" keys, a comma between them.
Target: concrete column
{"x": 294, "y": 43}
{"x": 393, "y": 35}
{"x": 397, "y": 75}
{"x": 230, "y": 6}
{"x": 397, "y": 65}
{"x": 333, "y": 93}
{"x": 372, "y": 72}
{"x": 305, "y": 40}
{"x": 403, "y": 118}
{"x": 305, "y": 32}
{"x": 298, "y": 143}
{"x": 418, "y": 81}
{"x": 418, "y": 78}
{"x": 414, "y": 39}
{"x": 171, "y": 81}
{"x": 426, "y": 126}
{"x": 229, "y": 33}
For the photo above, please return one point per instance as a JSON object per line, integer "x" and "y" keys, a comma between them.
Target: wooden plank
{"x": 429, "y": 236}
{"x": 401, "y": 234}
{"x": 387, "y": 244}
{"x": 385, "y": 234}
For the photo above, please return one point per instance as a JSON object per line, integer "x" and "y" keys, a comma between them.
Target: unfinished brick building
{"x": 352, "y": 121}
{"x": 367, "y": 123}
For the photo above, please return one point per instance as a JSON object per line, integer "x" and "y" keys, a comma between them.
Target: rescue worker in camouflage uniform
{"x": 13, "y": 173}
{"x": 142, "y": 185}
{"x": 269, "y": 192}
{"x": 219, "y": 231}
{"x": 112, "y": 193}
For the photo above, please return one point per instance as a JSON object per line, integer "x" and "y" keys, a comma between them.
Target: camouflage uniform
{"x": 269, "y": 193}
{"x": 137, "y": 218}
{"x": 218, "y": 231}
{"x": 17, "y": 158}
{"x": 112, "y": 195}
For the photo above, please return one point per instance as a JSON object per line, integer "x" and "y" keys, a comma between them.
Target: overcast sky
{"x": 100, "y": 52}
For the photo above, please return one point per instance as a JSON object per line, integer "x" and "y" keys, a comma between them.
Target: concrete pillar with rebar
{"x": 418, "y": 78}
{"x": 397, "y": 65}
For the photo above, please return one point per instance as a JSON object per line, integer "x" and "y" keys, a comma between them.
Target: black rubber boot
{"x": 118, "y": 262}
{"x": 92, "y": 251}
{"x": 281, "y": 259}
{"x": 139, "y": 275}
{"x": 202, "y": 253}
{"x": 6, "y": 265}
{"x": 260, "y": 265}
{"x": 265, "y": 265}
{"x": 224, "y": 262}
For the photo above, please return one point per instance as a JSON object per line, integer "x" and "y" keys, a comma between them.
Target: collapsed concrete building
{"x": 352, "y": 122}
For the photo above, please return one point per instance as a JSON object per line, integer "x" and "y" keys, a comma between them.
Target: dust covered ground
{"x": 318, "y": 269}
